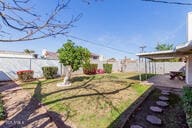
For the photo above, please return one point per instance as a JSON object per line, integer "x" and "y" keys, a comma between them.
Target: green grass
{"x": 92, "y": 101}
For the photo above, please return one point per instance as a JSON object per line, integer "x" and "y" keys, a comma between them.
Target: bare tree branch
{"x": 13, "y": 15}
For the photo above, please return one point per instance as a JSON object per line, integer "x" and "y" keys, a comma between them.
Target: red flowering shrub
{"x": 25, "y": 75}
{"x": 100, "y": 71}
{"x": 90, "y": 69}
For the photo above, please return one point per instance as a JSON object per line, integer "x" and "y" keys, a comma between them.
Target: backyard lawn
{"x": 92, "y": 101}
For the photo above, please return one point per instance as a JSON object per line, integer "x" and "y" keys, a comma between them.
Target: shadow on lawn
{"x": 79, "y": 78}
{"x": 23, "y": 118}
{"x": 84, "y": 85}
{"x": 95, "y": 92}
{"x": 92, "y": 92}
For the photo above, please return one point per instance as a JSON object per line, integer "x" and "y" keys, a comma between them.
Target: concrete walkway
{"x": 164, "y": 81}
{"x": 25, "y": 111}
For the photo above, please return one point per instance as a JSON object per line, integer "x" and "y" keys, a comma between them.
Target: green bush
{"x": 90, "y": 69}
{"x": 25, "y": 75}
{"x": 187, "y": 104}
{"x": 107, "y": 68}
{"x": 49, "y": 72}
{"x": 2, "y": 110}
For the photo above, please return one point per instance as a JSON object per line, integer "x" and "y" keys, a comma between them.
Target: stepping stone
{"x": 136, "y": 126}
{"x": 156, "y": 109}
{"x": 163, "y": 98}
{"x": 162, "y": 103}
{"x": 165, "y": 93}
{"x": 154, "y": 120}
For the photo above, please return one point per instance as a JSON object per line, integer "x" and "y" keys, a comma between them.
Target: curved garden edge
{"x": 130, "y": 110}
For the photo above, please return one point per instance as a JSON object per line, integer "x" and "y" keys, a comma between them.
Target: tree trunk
{"x": 67, "y": 77}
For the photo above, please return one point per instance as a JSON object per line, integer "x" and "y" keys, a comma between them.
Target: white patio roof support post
{"x": 150, "y": 67}
{"x": 189, "y": 70}
{"x": 139, "y": 68}
{"x": 145, "y": 68}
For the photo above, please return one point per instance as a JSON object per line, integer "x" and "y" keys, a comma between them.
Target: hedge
{"x": 49, "y": 72}
{"x": 90, "y": 69}
{"x": 107, "y": 68}
{"x": 25, "y": 75}
{"x": 187, "y": 104}
{"x": 2, "y": 110}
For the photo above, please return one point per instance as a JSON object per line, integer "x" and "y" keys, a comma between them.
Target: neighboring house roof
{"x": 4, "y": 53}
{"x": 50, "y": 55}
{"x": 111, "y": 60}
{"x": 11, "y": 52}
{"x": 94, "y": 55}
{"x": 127, "y": 60}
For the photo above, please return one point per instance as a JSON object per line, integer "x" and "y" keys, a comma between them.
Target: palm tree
{"x": 164, "y": 47}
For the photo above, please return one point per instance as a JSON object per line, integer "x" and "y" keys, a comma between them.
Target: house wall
{"x": 189, "y": 70}
{"x": 153, "y": 67}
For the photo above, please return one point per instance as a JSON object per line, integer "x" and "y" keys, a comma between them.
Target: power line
{"x": 101, "y": 45}
{"x": 168, "y": 2}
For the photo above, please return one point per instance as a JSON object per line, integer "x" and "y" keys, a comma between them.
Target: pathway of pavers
{"x": 161, "y": 103}
{"x": 25, "y": 111}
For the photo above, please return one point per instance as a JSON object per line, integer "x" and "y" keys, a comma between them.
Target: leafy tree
{"x": 164, "y": 47}
{"x": 27, "y": 51}
{"x": 73, "y": 57}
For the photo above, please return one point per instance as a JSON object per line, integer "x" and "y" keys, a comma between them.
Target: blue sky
{"x": 121, "y": 24}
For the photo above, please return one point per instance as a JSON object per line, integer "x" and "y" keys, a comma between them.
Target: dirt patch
{"x": 173, "y": 116}
{"x": 23, "y": 110}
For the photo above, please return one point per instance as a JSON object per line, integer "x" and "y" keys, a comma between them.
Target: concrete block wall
{"x": 11, "y": 65}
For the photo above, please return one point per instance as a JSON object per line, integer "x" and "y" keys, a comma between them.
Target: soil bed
{"x": 172, "y": 116}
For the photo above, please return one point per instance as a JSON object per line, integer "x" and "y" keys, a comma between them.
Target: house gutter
{"x": 183, "y": 48}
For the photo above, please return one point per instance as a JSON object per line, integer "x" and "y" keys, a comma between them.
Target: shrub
{"x": 25, "y": 75}
{"x": 2, "y": 110}
{"x": 49, "y": 72}
{"x": 107, "y": 68}
{"x": 90, "y": 69}
{"x": 187, "y": 104}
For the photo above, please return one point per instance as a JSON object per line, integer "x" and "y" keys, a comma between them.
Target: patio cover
{"x": 179, "y": 51}
{"x": 184, "y": 50}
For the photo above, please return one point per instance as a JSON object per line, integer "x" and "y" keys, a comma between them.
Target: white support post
{"x": 139, "y": 69}
{"x": 189, "y": 70}
{"x": 145, "y": 69}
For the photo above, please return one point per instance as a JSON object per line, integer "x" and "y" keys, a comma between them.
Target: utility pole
{"x": 142, "y": 48}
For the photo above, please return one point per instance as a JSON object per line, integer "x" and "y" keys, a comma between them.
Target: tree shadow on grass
{"x": 90, "y": 88}
{"x": 136, "y": 77}
{"x": 87, "y": 95}
{"x": 84, "y": 85}
{"x": 80, "y": 78}
{"x": 27, "y": 115}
